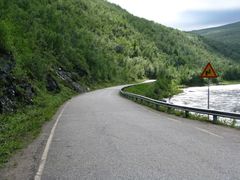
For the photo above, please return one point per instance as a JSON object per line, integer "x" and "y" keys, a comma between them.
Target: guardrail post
{"x": 186, "y": 114}
{"x": 215, "y": 119}
{"x": 139, "y": 101}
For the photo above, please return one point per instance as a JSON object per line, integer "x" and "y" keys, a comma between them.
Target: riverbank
{"x": 149, "y": 90}
{"x": 222, "y": 98}
{"x": 229, "y": 82}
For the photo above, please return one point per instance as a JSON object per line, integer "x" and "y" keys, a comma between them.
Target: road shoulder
{"x": 24, "y": 164}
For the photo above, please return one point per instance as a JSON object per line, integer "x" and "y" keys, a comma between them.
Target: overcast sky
{"x": 185, "y": 14}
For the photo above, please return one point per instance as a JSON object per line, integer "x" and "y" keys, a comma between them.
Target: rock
{"x": 27, "y": 92}
{"x": 67, "y": 77}
{"x": 13, "y": 92}
{"x": 6, "y": 105}
{"x": 10, "y": 91}
{"x": 7, "y": 89}
{"x": 119, "y": 49}
{"x": 52, "y": 84}
{"x": 77, "y": 87}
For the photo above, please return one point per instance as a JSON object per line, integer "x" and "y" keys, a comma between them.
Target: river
{"x": 222, "y": 97}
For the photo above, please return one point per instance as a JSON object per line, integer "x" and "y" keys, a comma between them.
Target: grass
{"x": 149, "y": 90}
{"x": 141, "y": 89}
{"x": 19, "y": 128}
{"x": 224, "y": 82}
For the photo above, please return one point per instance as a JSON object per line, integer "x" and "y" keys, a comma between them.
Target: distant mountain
{"x": 225, "y": 39}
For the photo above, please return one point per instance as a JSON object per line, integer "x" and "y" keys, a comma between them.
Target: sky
{"x": 184, "y": 14}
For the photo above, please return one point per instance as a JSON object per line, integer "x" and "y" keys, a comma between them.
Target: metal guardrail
{"x": 186, "y": 109}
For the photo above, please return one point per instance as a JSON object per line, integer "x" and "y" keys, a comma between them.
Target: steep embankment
{"x": 50, "y": 50}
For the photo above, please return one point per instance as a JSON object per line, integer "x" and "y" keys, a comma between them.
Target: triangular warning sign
{"x": 208, "y": 72}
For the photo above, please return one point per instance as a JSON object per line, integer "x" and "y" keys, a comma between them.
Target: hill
{"x": 52, "y": 46}
{"x": 52, "y": 50}
{"x": 225, "y": 39}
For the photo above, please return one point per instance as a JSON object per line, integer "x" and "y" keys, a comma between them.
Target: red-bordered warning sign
{"x": 209, "y": 72}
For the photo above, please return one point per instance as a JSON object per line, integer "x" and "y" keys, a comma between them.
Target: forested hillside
{"x": 51, "y": 50}
{"x": 92, "y": 42}
{"x": 225, "y": 39}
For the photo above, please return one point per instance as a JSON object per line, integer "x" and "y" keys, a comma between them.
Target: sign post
{"x": 208, "y": 94}
{"x": 209, "y": 72}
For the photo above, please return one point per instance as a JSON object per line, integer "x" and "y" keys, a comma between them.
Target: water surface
{"x": 222, "y": 97}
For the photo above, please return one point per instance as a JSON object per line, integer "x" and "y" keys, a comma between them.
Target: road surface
{"x": 103, "y": 136}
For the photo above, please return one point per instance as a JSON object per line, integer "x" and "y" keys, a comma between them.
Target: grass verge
{"x": 229, "y": 82}
{"x": 19, "y": 128}
{"x": 151, "y": 90}
{"x": 141, "y": 89}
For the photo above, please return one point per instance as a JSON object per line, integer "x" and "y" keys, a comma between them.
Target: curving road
{"x": 103, "y": 136}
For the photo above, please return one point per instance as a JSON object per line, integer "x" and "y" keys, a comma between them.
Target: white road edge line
{"x": 39, "y": 173}
{"x": 208, "y": 132}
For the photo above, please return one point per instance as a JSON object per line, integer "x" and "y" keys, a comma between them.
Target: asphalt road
{"x": 103, "y": 136}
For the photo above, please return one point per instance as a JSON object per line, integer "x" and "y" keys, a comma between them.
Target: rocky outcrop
{"x": 67, "y": 77}
{"x": 16, "y": 92}
{"x": 6, "y": 104}
{"x": 52, "y": 84}
{"x": 25, "y": 92}
{"x": 6, "y": 87}
{"x": 13, "y": 92}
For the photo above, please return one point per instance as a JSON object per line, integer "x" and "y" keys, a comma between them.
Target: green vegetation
{"x": 225, "y": 40}
{"x": 19, "y": 128}
{"x": 165, "y": 86}
{"x": 155, "y": 90}
{"x": 97, "y": 41}
{"x": 230, "y": 82}
{"x": 145, "y": 89}
{"x": 51, "y": 50}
